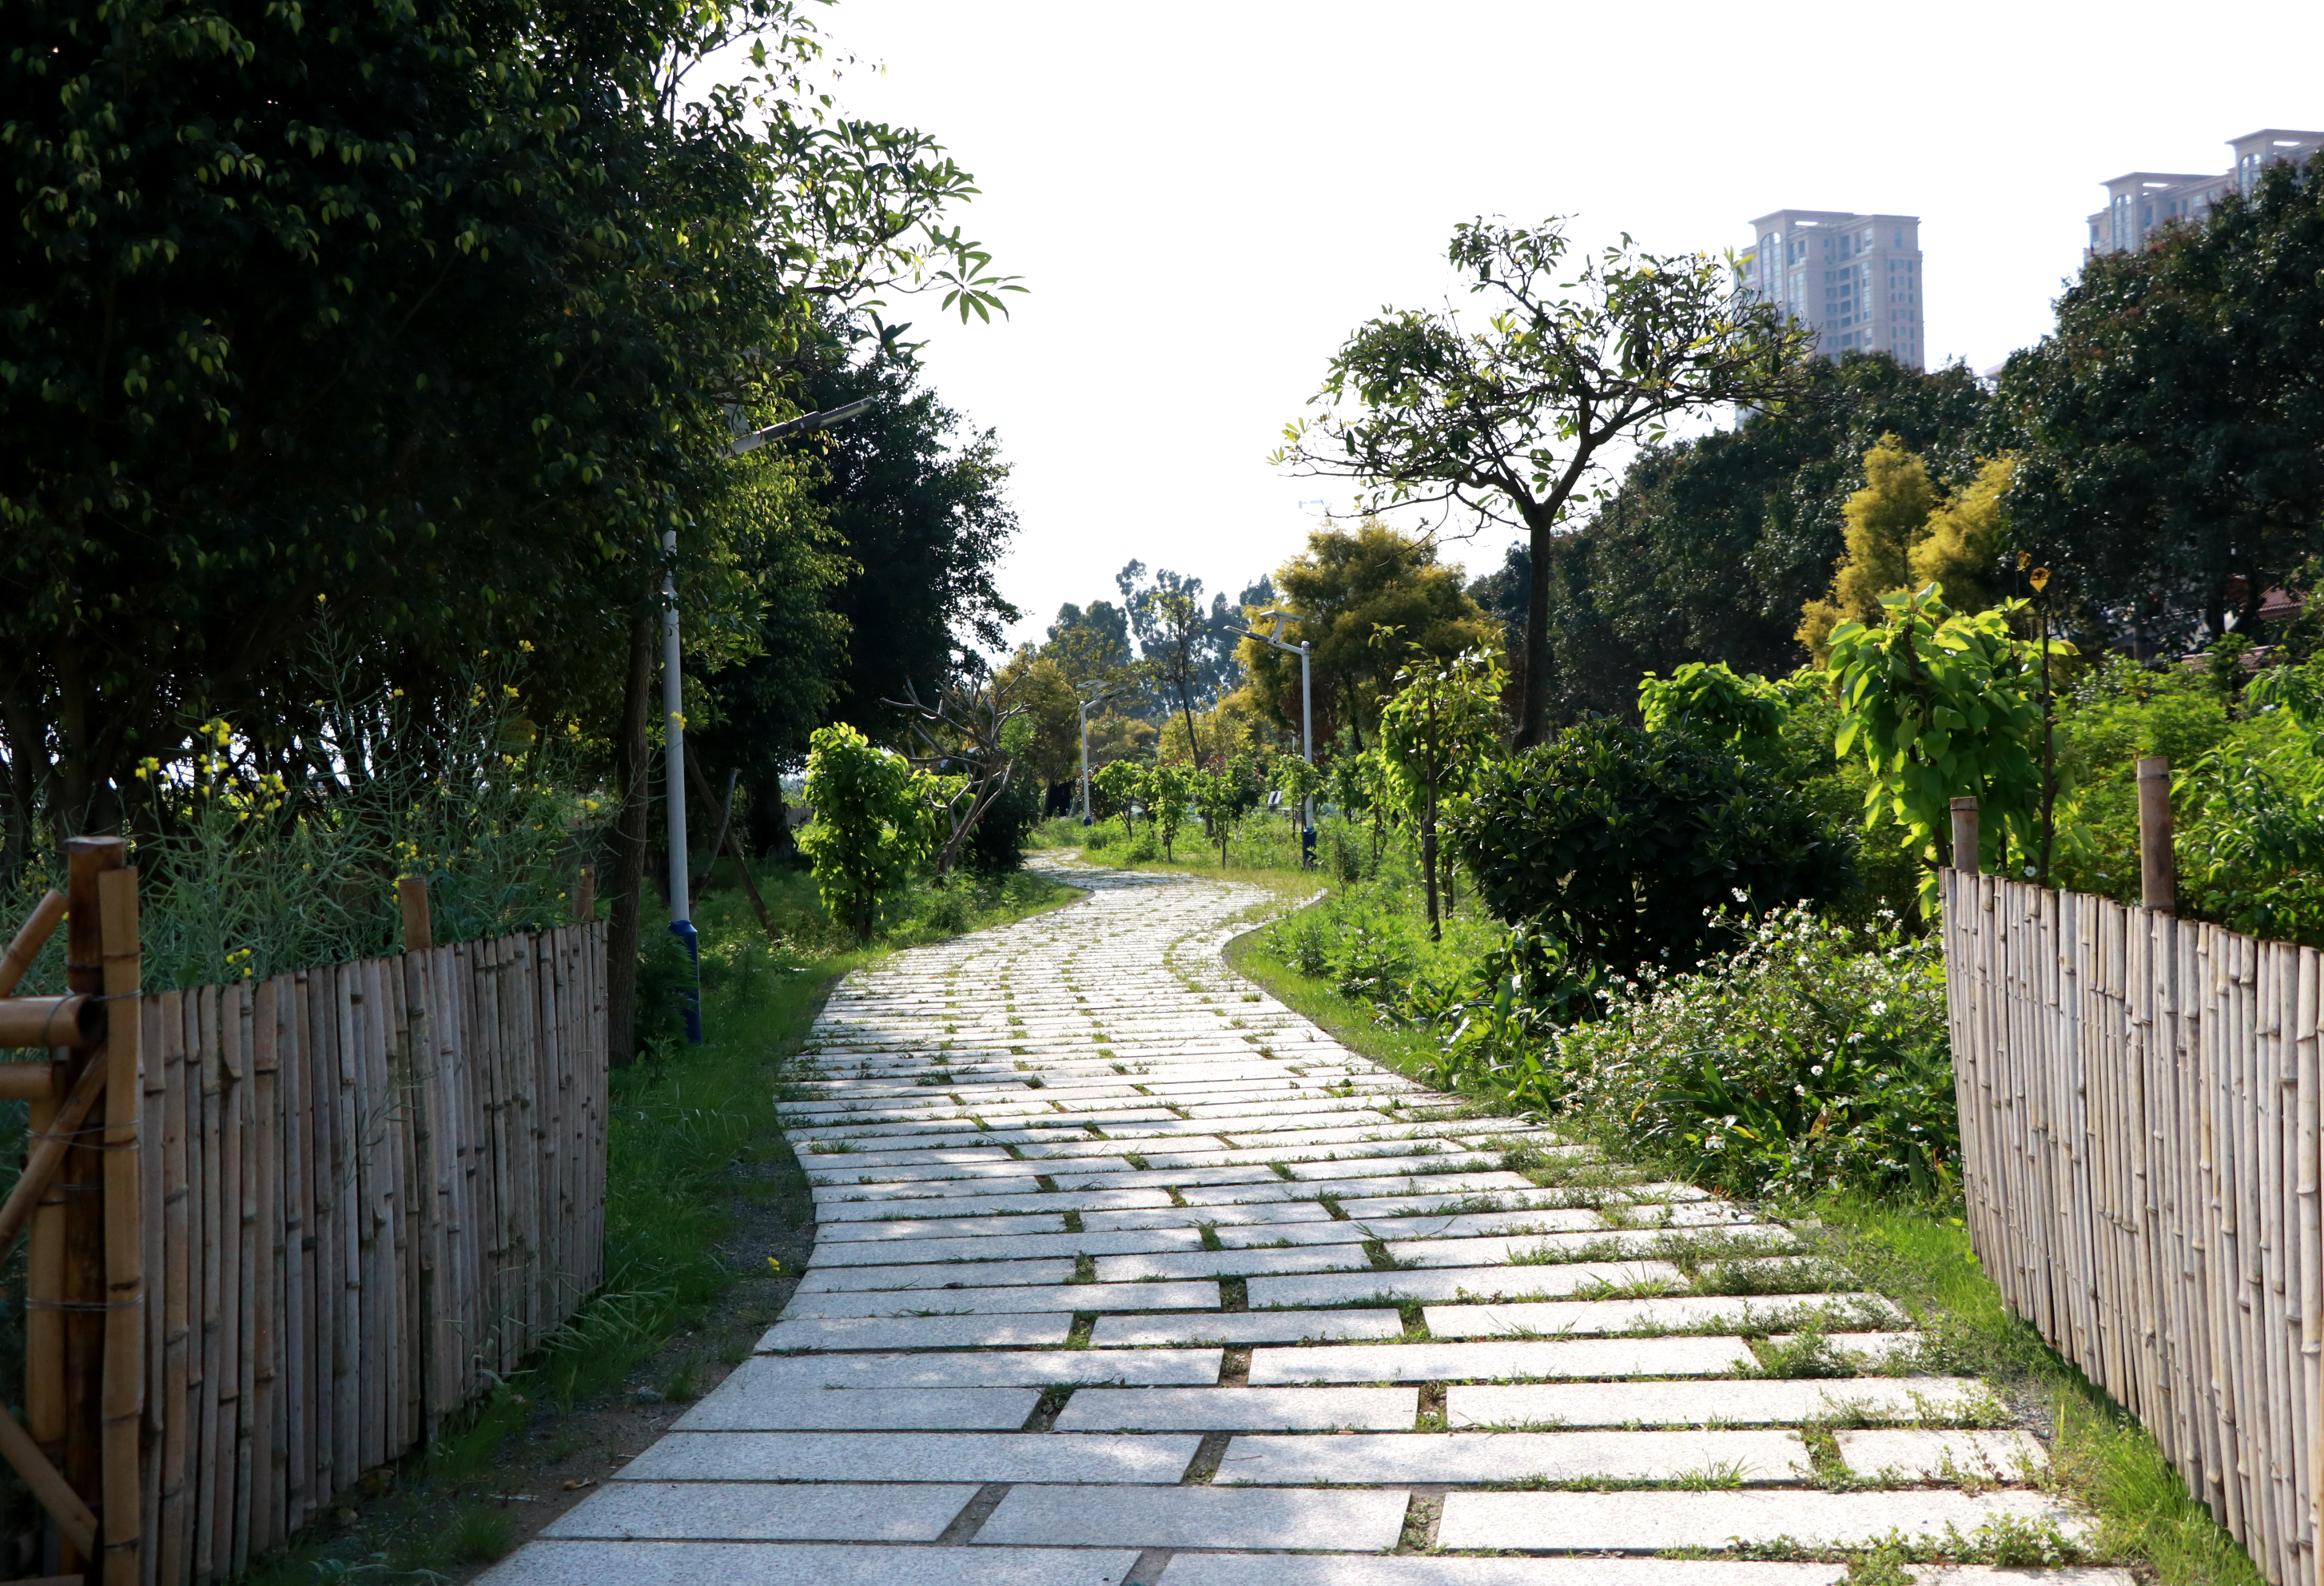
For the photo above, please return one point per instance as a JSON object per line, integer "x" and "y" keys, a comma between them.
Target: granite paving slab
{"x": 759, "y": 1511}
{"x": 1240, "y": 1409}
{"x": 1247, "y": 1327}
{"x": 1644, "y": 1521}
{"x": 742, "y": 1564}
{"x": 1198, "y": 1517}
{"x": 1231, "y": 1569}
{"x": 1758, "y": 1458}
{"x": 911, "y": 1456}
{"x": 1915, "y": 1454}
{"x": 1737, "y": 1401}
{"x": 915, "y": 1333}
{"x": 1563, "y": 1358}
{"x": 744, "y": 1403}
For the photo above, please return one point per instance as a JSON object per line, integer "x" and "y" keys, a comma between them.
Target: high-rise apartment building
{"x": 2142, "y": 202}
{"x": 1855, "y": 280}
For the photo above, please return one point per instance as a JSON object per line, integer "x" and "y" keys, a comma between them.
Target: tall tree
{"x": 2173, "y": 425}
{"x": 1347, "y": 586}
{"x": 1709, "y": 546}
{"x": 917, "y": 502}
{"x": 1508, "y": 421}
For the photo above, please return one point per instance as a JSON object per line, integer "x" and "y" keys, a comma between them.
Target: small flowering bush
{"x": 1804, "y": 1059}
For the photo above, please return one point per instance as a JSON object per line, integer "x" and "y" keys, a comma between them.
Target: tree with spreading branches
{"x": 1506, "y": 422}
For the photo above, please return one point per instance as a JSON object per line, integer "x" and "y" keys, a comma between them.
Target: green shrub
{"x": 872, "y": 823}
{"x": 1799, "y": 1062}
{"x": 997, "y": 846}
{"x": 1634, "y": 846}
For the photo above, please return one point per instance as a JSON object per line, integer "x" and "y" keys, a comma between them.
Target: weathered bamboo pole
{"x": 82, "y": 1182}
{"x": 2158, "y": 865}
{"x": 31, "y": 937}
{"x": 121, "y": 1392}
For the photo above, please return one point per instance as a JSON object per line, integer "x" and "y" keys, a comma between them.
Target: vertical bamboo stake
{"x": 1965, "y": 836}
{"x": 177, "y": 1290}
{"x": 151, "y": 1181}
{"x": 207, "y": 1561}
{"x": 419, "y": 922}
{"x": 123, "y": 1402}
{"x": 240, "y": 1234}
{"x": 266, "y": 1222}
{"x": 297, "y": 1312}
{"x": 82, "y": 1181}
{"x": 2158, "y": 865}
{"x": 584, "y": 895}
{"x": 347, "y": 1341}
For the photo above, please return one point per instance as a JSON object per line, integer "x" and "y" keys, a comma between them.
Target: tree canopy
{"x": 1506, "y": 422}
{"x": 2172, "y": 427}
{"x": 1366, "y": 600}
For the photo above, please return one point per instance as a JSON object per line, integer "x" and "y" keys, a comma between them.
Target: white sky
{"x": 1206, "y": 199}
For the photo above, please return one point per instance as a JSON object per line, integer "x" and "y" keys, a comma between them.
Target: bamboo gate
{"x": 320, "y": 1210}
{"x": 2138, "y": 1102}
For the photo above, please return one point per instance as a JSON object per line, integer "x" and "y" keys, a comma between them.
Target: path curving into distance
{"x": 1127, "y": 1273}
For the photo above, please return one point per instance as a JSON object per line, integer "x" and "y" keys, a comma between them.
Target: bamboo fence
{"x": 360, "y": 1191}
{"x": 2139, "y": 1143}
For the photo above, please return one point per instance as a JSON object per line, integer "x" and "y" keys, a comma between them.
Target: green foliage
{"x": 1224, "y": 793}
{"x": 1167, "y": 790}
{"x": 1626, "y": 843}
{"x": 873, "y": 822}
{"x": 1799, "y": 1062}
{"x": 1124, "y": 783}
{"x": 1346, "y": 588}
{"x": 1441, "y": 729}
{"x": 1706, "y": 700}
{"x": 442, "y": 312}
{"x": 997, "y": 844}
{"x": 1506, "y": 420}
{"x": 1943, "y": 707}
{"x": 2172, "y": 447}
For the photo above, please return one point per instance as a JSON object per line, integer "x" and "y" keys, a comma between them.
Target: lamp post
{"x": 1306, "y": 721}
{"x": 1104, "y": 688}
{"x": 673, "y": 711}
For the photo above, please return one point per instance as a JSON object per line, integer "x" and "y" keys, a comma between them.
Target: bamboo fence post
{"x": 1965, "y": 836}
{"x": 2158, "y": 867}
{"x": 81, "y": 1290}
{"x": 153, "y": 1182}
{"x": 347, "y": 1339}
{"x": 233, "y": 1047}
{"x": 266, "y": 1222}
{"x": 121, "y": 1407}
{"x": 584, "y": 895}
{"x": 297, "y": 1311}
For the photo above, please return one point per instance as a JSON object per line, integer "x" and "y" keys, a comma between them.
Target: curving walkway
{"x": 1125, "y": 1273}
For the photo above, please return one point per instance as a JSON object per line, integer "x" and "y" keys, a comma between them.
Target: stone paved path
{"x": 1125, "y": 1273}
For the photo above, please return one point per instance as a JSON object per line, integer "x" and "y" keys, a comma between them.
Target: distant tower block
{"x": 1854, "y": 280}
{"x": 2142, "y": 202}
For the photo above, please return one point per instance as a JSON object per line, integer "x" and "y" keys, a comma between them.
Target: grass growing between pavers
{"x": 695, "y": 1157}
{"x": 1917, "y": 1253}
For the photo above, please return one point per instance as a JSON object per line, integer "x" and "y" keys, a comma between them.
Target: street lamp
{"x": 1104, "y": 688}
{"x": 673, "y": 708}
{"x": 1307, "y": 719}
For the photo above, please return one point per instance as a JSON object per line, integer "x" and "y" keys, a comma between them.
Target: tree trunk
{"x": 1428, "y": 829}
{"x": 632, "y": 761}
{"x": 1533, "y": 717}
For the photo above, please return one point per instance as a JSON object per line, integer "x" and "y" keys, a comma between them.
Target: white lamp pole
{"x": 673, "y": 711}
{"x": 1103, "y": 689}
